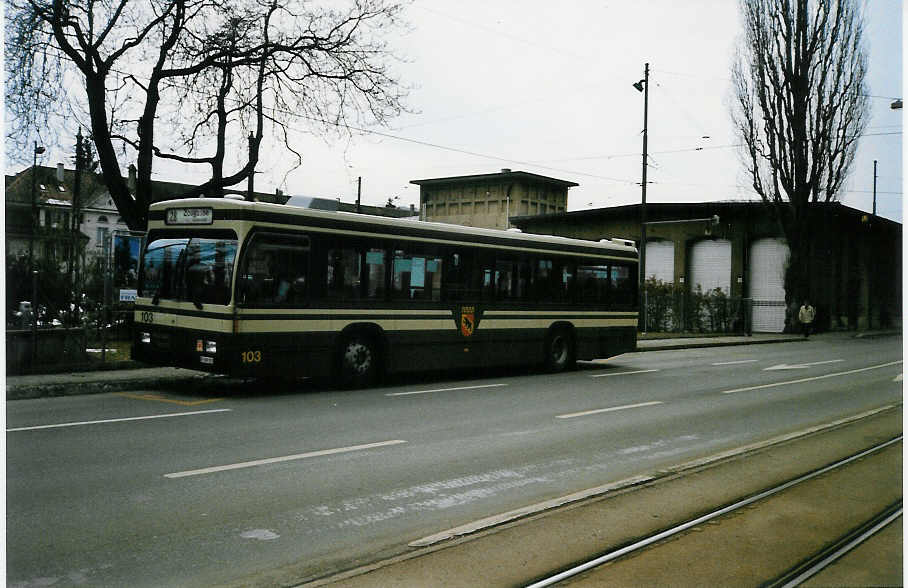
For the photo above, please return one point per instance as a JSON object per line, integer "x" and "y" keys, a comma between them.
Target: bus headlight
{"x": 211, "y": 346}
{"x": 145, "y": 337}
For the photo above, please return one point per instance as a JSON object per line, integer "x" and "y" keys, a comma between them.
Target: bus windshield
{"x": 194, "y": 269}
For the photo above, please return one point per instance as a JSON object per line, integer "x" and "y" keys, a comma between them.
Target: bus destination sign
{"x": 189, "y": 216}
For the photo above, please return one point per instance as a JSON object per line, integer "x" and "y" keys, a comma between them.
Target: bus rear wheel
{"x": 358, "y": 362}
{"x": 559, "y": 351}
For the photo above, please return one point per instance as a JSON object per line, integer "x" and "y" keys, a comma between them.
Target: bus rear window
{"x": 193, "y": 269}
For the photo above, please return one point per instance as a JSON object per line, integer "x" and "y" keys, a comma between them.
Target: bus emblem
{"x": 467, "y": 320}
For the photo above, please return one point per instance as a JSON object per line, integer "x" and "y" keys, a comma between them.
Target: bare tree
{"x": 799, "y": 106}
{"x": 184, "y": 80}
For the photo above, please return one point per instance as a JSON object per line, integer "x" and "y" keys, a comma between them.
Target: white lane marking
{"x": 612, "y": 409}
{"x": 140, "y": 418}
{"x": 623, "y": 373}
{"x": 898, "y": 378}
{"x": 802, "y": 380}
{"x": 799, "y": 366}
{"x": 445, "y": 390}
{"x": 260, "y": 534}
{"x": 737, "y": 362}
{"x": 258, "y": 462}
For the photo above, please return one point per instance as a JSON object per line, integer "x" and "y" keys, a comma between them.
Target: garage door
{"x": 660, "y": 261}
{"x": 766, "y": 277}
{"x": 710, "y": 265}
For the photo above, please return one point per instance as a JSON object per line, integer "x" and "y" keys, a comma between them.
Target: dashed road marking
{"x": 623, "y": 373}
{"x": 610, "y": 409}
{"x": 445, "y": 390}
{"x": 120, "y": 420}
{"x": 800, "y": 366}
{"x": 270, "y": 460}
{"x": 811, "y": 379}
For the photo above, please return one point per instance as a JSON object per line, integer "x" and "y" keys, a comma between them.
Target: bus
{"x": 264, "y": 290}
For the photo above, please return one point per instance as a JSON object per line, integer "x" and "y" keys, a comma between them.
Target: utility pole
{"x": 643, "y": 86}
{"x": 250, "y": 195}
{"x": 34, "y": 223}
{"x": 359, "y": 190}
{"x": 74, "y": 231}
{"x": 31, "y": 257}
{"x": 874, "y": 188}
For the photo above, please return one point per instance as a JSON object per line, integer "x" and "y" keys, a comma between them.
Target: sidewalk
{"x": 70, "y": 384}
{"x": 67, "y": 384}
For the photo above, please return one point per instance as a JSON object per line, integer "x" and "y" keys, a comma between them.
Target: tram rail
{"x": 791, "y": 578}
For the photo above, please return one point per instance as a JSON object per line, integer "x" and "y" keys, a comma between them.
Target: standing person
{"x": 806, "y": 316}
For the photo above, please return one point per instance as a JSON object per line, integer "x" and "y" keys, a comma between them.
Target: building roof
{"x": 503, "y": 175}
{"x": 50, "y": 191}
{"x": 655, "y": 210}
{"x": 48, "y": 188}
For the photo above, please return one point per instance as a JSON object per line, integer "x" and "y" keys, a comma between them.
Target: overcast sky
{"x": 546, "y": 87}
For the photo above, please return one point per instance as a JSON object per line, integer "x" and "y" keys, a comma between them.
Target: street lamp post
{"x": 643, "y": 86}
{"x": 31, "y": 255}
{"x": 34, "y": 223}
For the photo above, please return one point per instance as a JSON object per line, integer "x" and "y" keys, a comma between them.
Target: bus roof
{"x": 280, "y": 213}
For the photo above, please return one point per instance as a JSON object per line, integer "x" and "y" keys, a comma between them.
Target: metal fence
{"x": 672, "y": 310}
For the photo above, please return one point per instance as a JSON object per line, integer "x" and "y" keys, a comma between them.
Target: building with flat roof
{"x": 488, "y": 200}
{"x": 855, "y": 267}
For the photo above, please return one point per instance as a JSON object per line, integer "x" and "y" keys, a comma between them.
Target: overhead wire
{"x": 535, "y": 164}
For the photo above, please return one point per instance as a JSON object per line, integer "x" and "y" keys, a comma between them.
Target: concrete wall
{"x": 488, "y": 203}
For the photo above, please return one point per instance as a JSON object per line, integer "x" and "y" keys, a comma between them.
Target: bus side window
{"x": 512, "y": 279}
{"x": 594, "y": 283}
{"x": 459, "y": 283}
{"x": 275, "y": 271}
{"x": 416, "y": 274}
{"x": 344, "y": 273}
{"x": 545, "y": 288}
{"x": 489, "y": 278}
{"x": 624, "y": 284}
{"x": 567, "y": 287}
{"x": 375, "y": 273}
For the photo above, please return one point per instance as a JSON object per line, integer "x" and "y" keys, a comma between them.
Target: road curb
{"x": 25, "y": 392}
{"x": 698, "y": 345}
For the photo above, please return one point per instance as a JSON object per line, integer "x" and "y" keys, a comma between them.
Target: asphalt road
{"x": 254, "y": 485}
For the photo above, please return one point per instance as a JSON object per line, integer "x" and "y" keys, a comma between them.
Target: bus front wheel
{"x": 358, "y": 362}
{"x": 559, "y": 351}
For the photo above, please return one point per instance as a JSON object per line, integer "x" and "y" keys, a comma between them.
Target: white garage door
{"x": 710, "y": 265}
{"x": 766, "y": 277}
{"x": 660, "y": 261}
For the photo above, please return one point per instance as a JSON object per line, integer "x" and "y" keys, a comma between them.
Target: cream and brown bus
{"x": 268, "y": 290}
